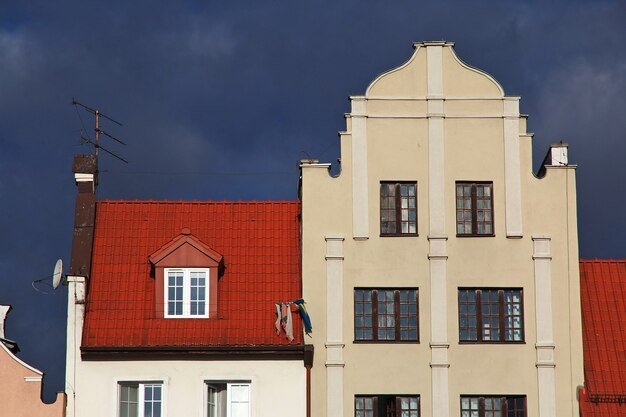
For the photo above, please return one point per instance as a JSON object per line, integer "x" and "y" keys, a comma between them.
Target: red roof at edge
{"x": 259, "y": 241}
{"x": 603, "y": 298}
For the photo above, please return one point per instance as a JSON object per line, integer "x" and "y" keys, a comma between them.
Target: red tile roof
{"x": 259, "y": 241}
{"x": 603, "y": 298}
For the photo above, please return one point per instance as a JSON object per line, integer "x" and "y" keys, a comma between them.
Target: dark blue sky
{"x": 220, "y": 100}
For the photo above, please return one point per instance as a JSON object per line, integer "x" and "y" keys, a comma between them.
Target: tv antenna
{"x": 56, "y": 278}
{"x": 96, "y": 144}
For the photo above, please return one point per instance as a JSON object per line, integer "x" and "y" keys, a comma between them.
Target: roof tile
{"x": 260, "y": 244}
{"x": 603, "y": 290}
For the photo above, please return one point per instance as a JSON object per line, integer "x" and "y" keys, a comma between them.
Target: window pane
{"x": 152, "y": 400}
{"x": 496, "y": 306}
{"x": 239, "y": 410}
{"x": 128, "y": 404}
{"x": 394, "y": 318}
{"x": 175, "y": 292}
{"x": 474, "y": 209}
{"x": 363, "y": 314}
{"x": 239, "y": 392}
{"x": 364, "y": 406}
{"x": 408, "y": 315}
{"x": 513, "y": 315}
{"x": 398, "y": 208}
{"x": 211, "y": 401}
{"x": 239, "y": 400}
{"x": 197, "y": 293}
{"x": 516, "y": 407}
{"x": 467, "y": 315}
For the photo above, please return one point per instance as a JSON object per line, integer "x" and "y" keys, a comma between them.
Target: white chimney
{"x": 4, "y": 310}
{"x": 557, "y": 155}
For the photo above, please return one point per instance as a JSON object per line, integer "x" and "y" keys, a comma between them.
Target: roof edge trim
{"x": 479, "y": 71}
{"x": 416, "y": 46}
{"x": 21, "y": 362}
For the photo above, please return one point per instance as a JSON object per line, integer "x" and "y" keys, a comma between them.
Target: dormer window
{"x": 186, "y": 272}
{"x": 186, "y": 292}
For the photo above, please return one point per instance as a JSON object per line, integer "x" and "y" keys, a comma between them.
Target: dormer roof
{"x": 185, "y": 240}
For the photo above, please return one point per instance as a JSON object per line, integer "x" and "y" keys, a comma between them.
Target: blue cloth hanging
{"x": 306, "y": 320}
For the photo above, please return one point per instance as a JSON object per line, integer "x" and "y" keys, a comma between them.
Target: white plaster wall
{"x": 278, "y": 388}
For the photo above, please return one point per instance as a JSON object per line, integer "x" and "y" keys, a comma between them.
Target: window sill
{"x": 491, "y": 235}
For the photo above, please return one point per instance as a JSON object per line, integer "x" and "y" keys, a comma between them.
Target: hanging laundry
{"x": 279, "y": 317}
{"x": 284, "y": 320}
{"x": 306, "y": 320}
{"x": 287, "y": 322}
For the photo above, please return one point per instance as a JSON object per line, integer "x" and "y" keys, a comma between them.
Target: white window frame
{"x": 140, "y": 395}
{"x": 186, "y": 292}
{"x": 229, "y": 384}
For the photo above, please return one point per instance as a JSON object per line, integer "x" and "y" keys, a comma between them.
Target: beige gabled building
{"x": 441, "y": 273}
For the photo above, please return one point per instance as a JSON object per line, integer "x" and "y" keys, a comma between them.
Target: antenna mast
{"x": 97, "y": 131}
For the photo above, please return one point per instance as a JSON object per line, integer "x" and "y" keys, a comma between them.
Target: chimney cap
{"x": 85, "y": 164}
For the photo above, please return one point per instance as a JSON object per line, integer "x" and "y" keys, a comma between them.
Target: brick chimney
{"x": 86, "y": 176}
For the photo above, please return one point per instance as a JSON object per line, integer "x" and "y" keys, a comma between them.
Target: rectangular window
{"x": 140, "y": 399}
{"x": 228, "y": 399}
{"x": 474, "y": 209}
{"x": 386, "y": 315}
{"x": 491, "y": 315}
{"x": 186, "y": 292}
{"x": 493, "y": 406}
{"x": 398, "y": 208}
{"x": 387, "y": 406}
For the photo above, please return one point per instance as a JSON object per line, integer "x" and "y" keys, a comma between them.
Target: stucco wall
{"x": 277, "y": 387}
{"x": 20, "y": 393}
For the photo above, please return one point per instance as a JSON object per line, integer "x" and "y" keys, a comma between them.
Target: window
{"x": 227, "y": 399}
{"x": 491, "y": 315}
{"x": 474, "y": 209}
{"x": 186, "y": 292}
{"x": 386, "y": 315}
{"x": 398, "y": 208}
{"x": 387, "y": 406}
{"x": 140, "y": 399}
{"x": 493, "y": 406}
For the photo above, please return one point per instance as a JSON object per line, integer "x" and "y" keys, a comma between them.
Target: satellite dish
{"x": 58, "y": 274}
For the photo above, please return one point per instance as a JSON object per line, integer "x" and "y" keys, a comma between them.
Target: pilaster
{"x": 437, "y": 238}
{"x": 75, "y": 317}
{"x": 512, "y": 180}
{"x": 545, "y": 341}
{"x": 360, "y": 200}
{"x": 334, "y": 326}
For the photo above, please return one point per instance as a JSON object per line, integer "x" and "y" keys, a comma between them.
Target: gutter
{"x": 238, "y": 352}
